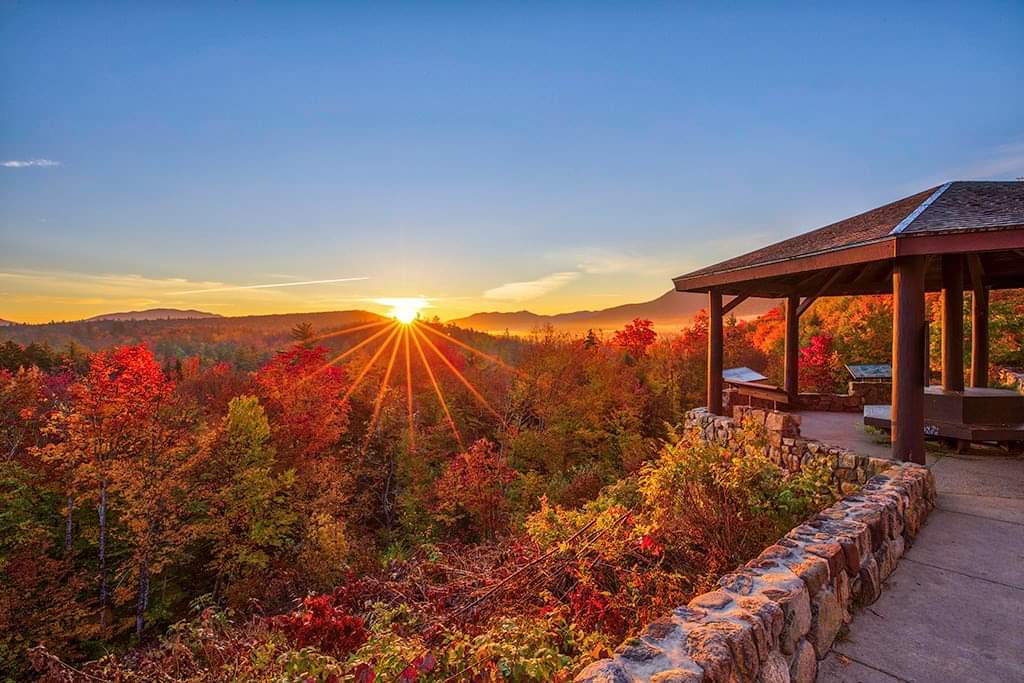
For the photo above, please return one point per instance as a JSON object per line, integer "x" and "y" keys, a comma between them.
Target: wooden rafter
{"x": 734, "y": 303}
{"x": 807, "y": 302}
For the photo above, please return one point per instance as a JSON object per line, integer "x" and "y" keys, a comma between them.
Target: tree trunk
{"x": 103, "y": 553}
{"x": 69, "y": 525}
{"x": 142, "y": 602}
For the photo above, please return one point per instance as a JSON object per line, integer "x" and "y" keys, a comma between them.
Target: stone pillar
{"x": 952, "y": 323}
{"x": 979, "y": 337}
{"x": 716, "y": 351}
{"x": 791, "y": 368}
{"x": 908, "y": 359}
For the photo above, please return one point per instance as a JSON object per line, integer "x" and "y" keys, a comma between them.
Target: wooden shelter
{"x": 960, "y": 233}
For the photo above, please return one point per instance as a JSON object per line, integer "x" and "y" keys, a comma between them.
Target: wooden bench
{"x": 958, "y": 433}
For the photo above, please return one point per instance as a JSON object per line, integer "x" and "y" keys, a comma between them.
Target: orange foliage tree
{"x": 107, "y": 418}
{"x": 304, "y": 402}
{"x": 636, "y": 337}
{"x": 474, "y": 487}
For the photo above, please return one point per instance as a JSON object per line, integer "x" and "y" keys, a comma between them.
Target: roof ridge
{"x": 912, "y": 216}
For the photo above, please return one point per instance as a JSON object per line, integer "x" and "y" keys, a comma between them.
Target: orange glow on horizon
{"x": 404, "y": 309}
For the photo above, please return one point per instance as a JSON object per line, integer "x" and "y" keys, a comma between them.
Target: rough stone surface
{"x": 775, "y": 669}
{"x": 604, "y": 671}
{"x": 678, "y": 676}
{"x": 772, "y": 619}
{"x": 826, "y": 618}
{"x": 804, "y": 667}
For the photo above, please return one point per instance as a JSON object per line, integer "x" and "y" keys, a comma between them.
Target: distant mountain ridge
{"x": 155, "y": 314}
{"x": 6, "y": 323}
{"x": 245, "y": 340}
{"x": 670, "y": 311}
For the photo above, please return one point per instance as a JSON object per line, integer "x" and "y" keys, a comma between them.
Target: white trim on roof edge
{"x": 905, "y": 223}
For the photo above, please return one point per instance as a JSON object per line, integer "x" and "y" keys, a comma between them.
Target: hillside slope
{"x": 155, "y": 314}
{"x": 670, "y": 311}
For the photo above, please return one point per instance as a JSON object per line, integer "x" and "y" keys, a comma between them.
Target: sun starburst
{"x": 406, "y": 330}
{"x": 404, "y": 309}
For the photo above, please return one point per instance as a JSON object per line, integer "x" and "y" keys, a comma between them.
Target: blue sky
{"x": 550, "y": 156}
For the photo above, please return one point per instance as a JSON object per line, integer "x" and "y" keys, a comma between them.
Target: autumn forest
{"x": 207, "y": 500}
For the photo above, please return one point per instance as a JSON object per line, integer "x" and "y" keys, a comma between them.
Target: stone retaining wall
{"x": 774, "y": 618}
{"x": 785, "y": 447}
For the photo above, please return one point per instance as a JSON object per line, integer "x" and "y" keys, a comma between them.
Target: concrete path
{"x": 954, "y": 608}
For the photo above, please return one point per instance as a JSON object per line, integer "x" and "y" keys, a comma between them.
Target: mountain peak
{"x": 669, "y": 312}
{"x": 155, "y": 314}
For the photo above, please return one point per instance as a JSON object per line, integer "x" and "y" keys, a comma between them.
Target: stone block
{"x": 604, "y": 671}
{"x": 709, "y": 649}
{"x": 679, "y": 676}
{"x": 826, "y": 618}
{"x": 870, "y": 582}
{"x": 775, "y": 669}
{"x": 804, "y": 666}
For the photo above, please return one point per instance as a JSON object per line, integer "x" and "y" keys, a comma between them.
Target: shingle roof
{"x": 954, "y": 208}
{"x": 973, "y": 206}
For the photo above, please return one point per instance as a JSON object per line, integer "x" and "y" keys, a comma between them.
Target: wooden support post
{"x": 908, "y": 360}
{"x": 716, "y": 352}
{"x": 952, "y": 323}
{"x": 791, "y": 368}
{"x": 927, "y": 353}
{"x": 979, "y": 324}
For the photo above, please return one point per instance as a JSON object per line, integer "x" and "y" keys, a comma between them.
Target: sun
{"x": 404, "y": 314}
{"x": 405, "y": 309}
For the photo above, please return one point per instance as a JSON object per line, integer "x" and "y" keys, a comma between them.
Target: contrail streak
{"x": 272, "y": 284}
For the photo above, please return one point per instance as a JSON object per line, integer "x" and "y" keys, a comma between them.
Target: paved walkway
{"x": 954, "y": 608}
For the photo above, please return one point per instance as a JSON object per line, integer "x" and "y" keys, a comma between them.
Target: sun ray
{"x": 342, "y": 356}
{"x": 408, "y": 391}
{"x": 348, "y": 330}
{"x": 437, "y": 390}
{"x": 467, "y": 347}
{"x": 379, "y": 401}
{"x": 370, "y": 363}
{"x": 457, "y": 373}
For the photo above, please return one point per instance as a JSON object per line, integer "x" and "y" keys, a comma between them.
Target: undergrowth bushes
{"x": 537, "y": 605}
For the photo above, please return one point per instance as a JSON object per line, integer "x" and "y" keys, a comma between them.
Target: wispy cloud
{"x": 40, "y": 295}
{"x": 531, "y": 289}
{"x": 28, "y": 163}
{"x": 1002, "y": 162}
{"x": 271, "y": 285}
{"x": 605, "y": 261}
{"x": 1005, "y": 160}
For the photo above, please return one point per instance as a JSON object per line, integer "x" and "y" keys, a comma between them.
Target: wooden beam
{"x": 976, "y": 271}
{"x": 870, "y": 272}
{"x": 907, "y": 360}
{"x": 1009, "y": 238}
{"x": 734, "y": 303}
{"x": 868, "y": 253}
{"x": 820, "y": 291}
{"x": 952, "y": 322}
{"x": 979, "y": 323}
{"x": 716, "y": 352}
{"x": 791, "y": 368}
